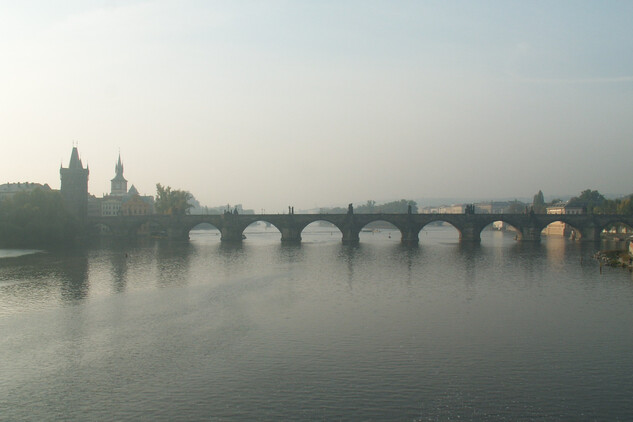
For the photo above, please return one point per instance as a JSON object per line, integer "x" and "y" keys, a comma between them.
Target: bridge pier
{"x": 470, "y": 233}
{"x": 290, "y": 235}
{"x": 350, "y": 237}
{"x": 530, "y": 234}
{"x": 410, "y": 237}
{"x": 177, "y": 233}
{"x": 590, "y": 234}
{"x": 231, "y": 234}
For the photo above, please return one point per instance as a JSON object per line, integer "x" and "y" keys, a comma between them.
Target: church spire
{"x": 118, "y": 185}
{"x": 118, "y": 169}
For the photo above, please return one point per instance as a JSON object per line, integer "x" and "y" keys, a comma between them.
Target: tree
{"x": 172, "y": 202}
{"x": 625, "y": 206}
{"x": 590, "y": 199}
{"x": 591, "y": 196}
{"x": 538, "y": 203}
{"x": 616, "y": 206}
{"x": 36, "y": 218}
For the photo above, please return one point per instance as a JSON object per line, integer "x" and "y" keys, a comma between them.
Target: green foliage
{"x": 36, "y": 218}
{"x": 596, "y": 203}
{"x": 591, "y": 200}
{"x": 593, "y": 196}
{"x": 538, "y": 203}
{"x": 172, "y": 202}
{"x": 625, "y": 206}
{"x": 622, "y": 206}
{"x": 399, "y": 207}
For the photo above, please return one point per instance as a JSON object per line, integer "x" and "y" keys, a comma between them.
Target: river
{"x": 199, "y": 330}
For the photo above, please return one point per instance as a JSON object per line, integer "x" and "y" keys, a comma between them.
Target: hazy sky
{"x": 305, "y": 103}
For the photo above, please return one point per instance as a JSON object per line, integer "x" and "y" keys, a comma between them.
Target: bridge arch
{"x": 320, "y": 229}
{"x": 561, "y": 227}
{"x": 616, "y": 229}
{"x": 255, "y": 222}
{"x": 252, "y": 228}
{"x": 505, "y": 225}
{"x": 382, "y": 223}
{"x": 205, "y": 230}
{"x": 440, "y": 228}
{"x": 325, "y": 219}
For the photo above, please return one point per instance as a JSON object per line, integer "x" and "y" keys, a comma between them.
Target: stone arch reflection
{"x": 204, "y": 232}
{"x": 499, "y": 232}
{"x": 380, "y": 229}
{"x": 261, "y": 231}
{"x": 321, "y": 231}
{"x": 439, "y": 231}
{"x": 561, "y": 229}
{"x": 616, "y": 230}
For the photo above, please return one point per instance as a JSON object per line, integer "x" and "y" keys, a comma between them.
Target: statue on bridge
{"x": 350, "y": 209}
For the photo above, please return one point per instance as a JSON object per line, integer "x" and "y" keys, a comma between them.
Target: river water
{"x": 158, "y": 330}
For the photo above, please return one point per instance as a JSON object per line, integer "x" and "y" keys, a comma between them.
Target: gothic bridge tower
{"x": 118, "y": 185}
{"x": 74, "y": 186}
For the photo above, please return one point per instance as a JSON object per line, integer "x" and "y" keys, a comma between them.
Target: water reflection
{"x": 119, "y": 269}
{"x": 32, "y": 280}
{"x": 349, "y": 254}
{"x": 266, "y": 331}
{"x": 469, "y": 256}
{"x": 24, "y": 284}
{"x": 555, "y": 250}
{"x": 73, "y": 275}
{"x": 407, "y": 255}
{"x": 232, "y": 254}
{"x": 173, "y": 262}
{"x": 289, "y": 253}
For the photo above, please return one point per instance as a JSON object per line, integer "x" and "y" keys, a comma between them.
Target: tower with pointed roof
{"x": 74, "y": 186}
{"x": 118, "y": 185}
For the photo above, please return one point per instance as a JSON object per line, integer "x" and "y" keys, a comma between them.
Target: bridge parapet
{"x": 529, "y": 226}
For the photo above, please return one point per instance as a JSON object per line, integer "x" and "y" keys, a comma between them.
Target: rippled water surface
{"x": 321, "y": 331}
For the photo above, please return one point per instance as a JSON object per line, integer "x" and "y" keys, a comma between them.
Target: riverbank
{"x": 615, "y": 258}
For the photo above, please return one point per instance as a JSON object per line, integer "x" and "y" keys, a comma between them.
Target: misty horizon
{"x": 308, "y": 104}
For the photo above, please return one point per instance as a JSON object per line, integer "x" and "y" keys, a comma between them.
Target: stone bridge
{"x": 469, "y": 226}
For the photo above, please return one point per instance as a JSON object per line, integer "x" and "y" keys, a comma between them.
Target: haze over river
{"x": 161, "y": 330}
